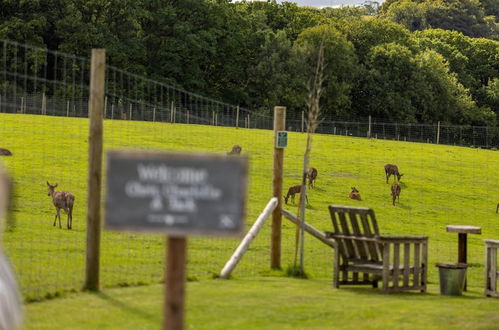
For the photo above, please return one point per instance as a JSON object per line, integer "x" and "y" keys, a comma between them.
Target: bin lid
{"x": 458, "y": 265}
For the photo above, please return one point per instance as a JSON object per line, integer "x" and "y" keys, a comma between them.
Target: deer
{"x": 391, "y": 169}
{"x": 292, "y": 191}
{"x": 62, "y": 200}
{"x": 236, "y": 150}
{"x": 355, "y": 194}
{"x": 395, "y": 192}
{"x": 312, "y": 175}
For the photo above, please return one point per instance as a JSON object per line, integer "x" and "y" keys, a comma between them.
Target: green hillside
{"x": 441, "y": 185}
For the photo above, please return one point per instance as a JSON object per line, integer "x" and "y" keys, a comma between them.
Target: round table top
{"x": 464, "y": 229}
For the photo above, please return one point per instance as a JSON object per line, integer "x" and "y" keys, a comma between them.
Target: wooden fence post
{"x": 438, "y": 132}
{"x": 67, "y": 109}
{"x": 154, "y": 114}
{"x": 130, "y": 117}
{"x": 369, "y": 131}
{"x": 175, "y": 283}
{"x": 278, "y": 169}
{"x": 44, "y": 104}
{"x": 96, "y": 107}
{"x": 302, "y": 121}
{"x": 237, "y": 117}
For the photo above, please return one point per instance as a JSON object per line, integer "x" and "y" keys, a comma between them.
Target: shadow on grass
{"x": 130, "y": 309}
{"x": 404, "y": 295}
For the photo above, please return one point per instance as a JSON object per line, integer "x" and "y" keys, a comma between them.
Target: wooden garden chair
{"x": 363, "y": 256}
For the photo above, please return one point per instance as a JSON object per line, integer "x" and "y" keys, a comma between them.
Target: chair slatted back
{"x": 355, "y": 229}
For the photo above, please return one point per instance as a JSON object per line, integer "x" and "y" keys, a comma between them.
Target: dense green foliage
{"x": 268, "y": 303}
{"x": 404, "y": 64}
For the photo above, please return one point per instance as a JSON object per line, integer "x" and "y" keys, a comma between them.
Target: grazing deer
{"x": 236, "y": 150}
{"x": 5, "y": 152}
{"x": 391, "y": 169}
{"x": 292, "y": 191}
{"x": 312, "y": 175}
{"x": 355, "y": 194}
{"x": 395, "y": 192}
{"x": 62, "y": 200}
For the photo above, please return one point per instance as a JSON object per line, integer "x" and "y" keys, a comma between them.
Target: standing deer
{"x": 312, "y": 175}
{"x": 236, "y": 150}
{"x": 292, "y": 191}
{"x": 355, "y": 194}
{"x": 62, "y": 200}
{"x": 395, "y": 192}
{"x": 391, "y": 169}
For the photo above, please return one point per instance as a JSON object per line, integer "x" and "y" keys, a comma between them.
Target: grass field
{"x": 268, "y": 303}
{"x": 441, "y": 185}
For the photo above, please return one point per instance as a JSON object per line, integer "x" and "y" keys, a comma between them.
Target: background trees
{"x": 417, "y": 61}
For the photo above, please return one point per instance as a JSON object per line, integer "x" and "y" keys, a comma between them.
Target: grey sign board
{"x": 177, "y": 194}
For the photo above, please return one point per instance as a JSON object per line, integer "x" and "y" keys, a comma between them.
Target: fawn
{"x": 312, "y": 175}
{"x": 391, "y": 169}
{"x": 236, "y": 150}
{"x": 292, "y": 191}
{"x": 396, "y": 192}
{"x": 62, "y": 200}
{"x": 355, "y": 194}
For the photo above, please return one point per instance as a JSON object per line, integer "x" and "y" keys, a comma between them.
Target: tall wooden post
{"x": 175, "y": 283}
{"x": 96, "y": 107}
{"x": 279, "y": 125}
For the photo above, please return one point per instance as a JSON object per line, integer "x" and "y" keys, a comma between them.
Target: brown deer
{"x": 5, "y": 152}
{"x": 396, "y": 192}
{"x": 62, "y": 200}
{"x": 355, "y": 194}
{"x": 311, "y": 175}
{"x": 292, "y": 191}
{"x": 391, "y": 169}
{"x": 236, "y": 150}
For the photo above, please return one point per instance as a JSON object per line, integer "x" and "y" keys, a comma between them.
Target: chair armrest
{"x": 402, "y": 239}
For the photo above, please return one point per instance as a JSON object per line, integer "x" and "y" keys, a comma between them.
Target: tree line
{"x": 413, "y": 61}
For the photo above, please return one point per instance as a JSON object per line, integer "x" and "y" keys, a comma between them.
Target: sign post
{"x": 179, "y": 195}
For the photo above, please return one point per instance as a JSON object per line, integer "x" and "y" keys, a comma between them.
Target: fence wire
{"x": 43, "y": 121}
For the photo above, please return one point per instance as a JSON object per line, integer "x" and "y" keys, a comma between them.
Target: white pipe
{"x": 243, "y": 247}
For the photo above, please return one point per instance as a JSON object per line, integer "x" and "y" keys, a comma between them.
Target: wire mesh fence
{"x": 43, "y": 111}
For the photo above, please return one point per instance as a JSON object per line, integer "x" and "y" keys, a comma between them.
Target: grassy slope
{"x": 442, "y": 185}
{"x": 267, "y": 303}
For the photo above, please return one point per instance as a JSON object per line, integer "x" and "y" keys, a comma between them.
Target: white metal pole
{"x": 250, "y": 236}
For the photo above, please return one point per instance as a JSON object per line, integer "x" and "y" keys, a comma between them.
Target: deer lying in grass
{"x": 391, "y": 169}
{"x": 311, "y": 175}
{"x": 355, "y": 194}
{"x": 292, "y": 191}
{"x": 236, "y": 150}
{"x": 62, "y": 200}
{"x": 396, "y": 192}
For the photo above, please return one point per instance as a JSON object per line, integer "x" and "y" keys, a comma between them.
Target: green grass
{"x": 442, "y": 185}
{"x": 268, "y": 303}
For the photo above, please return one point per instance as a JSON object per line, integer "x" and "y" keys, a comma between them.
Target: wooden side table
{"x": 463, "y": 232}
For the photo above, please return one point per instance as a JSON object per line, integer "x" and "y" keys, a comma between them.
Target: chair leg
{"x": 336, "y": 270}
